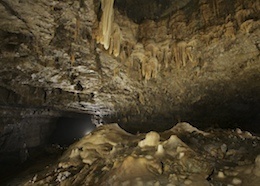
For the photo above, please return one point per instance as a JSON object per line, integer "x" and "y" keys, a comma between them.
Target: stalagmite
{"x": 151, "y": 139}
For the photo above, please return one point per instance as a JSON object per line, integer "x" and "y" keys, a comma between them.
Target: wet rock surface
{"x": 182, "y": 155}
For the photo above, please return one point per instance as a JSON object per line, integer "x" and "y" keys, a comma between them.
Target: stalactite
{"x": 183, "y": 53}
{"x": 105, "y": 26}
{"x": 122, "y": 56}
{"x": 116, "y": 71}
{"x": 189, "y": 54}
{"x": 216, "y": 7}
{"x": 150, "y": 68}
{"x": 160, "y": 55}
{"x": 179, "y": 50}
{"x": 115, "y": 42}
{"x": 179, "y": 30}
{"x": 141, "y": 98}
{"x": 109, "y": 32}
{"x": 166, "y": 54}
{"x": 130, "y": 62}
{"x": 155, "y": 67}
{"x": 138, "y": 55}
{"x": 77, "y": 29}
{"x": 205, "y": 11}
{"x": 178, "y": 24}
{"x": 167, "y": 58}
{"x": 150, "y": 47}
{"x": 72, "y": 58}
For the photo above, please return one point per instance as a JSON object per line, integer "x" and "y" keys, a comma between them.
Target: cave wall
{"x": 24, "y": 128}
{"x": 197, "y": 63}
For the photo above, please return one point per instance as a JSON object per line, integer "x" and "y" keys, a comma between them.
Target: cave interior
{"x": 133, "y": 69}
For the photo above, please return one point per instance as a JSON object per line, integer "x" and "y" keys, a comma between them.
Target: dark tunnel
{"x": 70, "y": 129}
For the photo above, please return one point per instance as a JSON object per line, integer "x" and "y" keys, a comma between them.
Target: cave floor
{"x": 183, "y": 155}
{"x": 39, "y": 159}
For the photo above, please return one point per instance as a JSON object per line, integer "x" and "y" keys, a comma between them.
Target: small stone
{"x": 236, "y": 181}
{"x": 149, "y": 157}
{"x": 224, "y": 148}
{"x": 181, "y": 155}
{"x": 34, "y": 179}
{"x": 231, "y": 173}
{"x": 62, "y": 176}
{"x": 248, "y": 134}
{"x": 105, "y": 168}
{"x": 173, "y": 177}
{"x": 239, "y": 131}
{"x": 221, "y": 174}
{"x": 41, "y": 182}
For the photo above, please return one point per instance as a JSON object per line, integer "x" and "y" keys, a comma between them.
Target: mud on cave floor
{"x": 183, "y": 155}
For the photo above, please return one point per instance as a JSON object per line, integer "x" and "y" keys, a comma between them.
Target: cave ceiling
{"x": 139, "y": 63}
{"x": 140, "y": 10}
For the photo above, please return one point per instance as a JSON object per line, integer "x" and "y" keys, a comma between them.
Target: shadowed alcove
{"x": 71, "y": 129}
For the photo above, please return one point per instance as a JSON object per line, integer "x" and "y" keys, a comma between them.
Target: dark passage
{"x": 54, "y": 136}
{"x": 70, "y": 129}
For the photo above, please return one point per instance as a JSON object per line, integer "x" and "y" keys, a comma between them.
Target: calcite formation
{"x": 107, "y": 23}
{"x": 182, "y": 155}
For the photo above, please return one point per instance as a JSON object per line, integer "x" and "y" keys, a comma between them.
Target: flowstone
{"x": 183, "y": 155}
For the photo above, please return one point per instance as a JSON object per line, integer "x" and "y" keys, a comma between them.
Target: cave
{"x": 130, "y": 92}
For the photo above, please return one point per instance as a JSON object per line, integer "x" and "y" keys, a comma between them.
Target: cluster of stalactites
{"x": 109, "y": 34}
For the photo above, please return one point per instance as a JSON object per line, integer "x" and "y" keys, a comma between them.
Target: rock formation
{"x": 143, "y": 64}
{"x": 182, "y": 155}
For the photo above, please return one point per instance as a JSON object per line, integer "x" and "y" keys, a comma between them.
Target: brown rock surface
{"x": 198, "y": 63}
